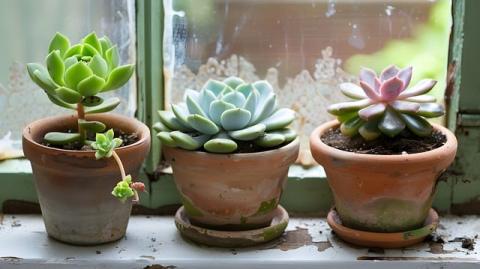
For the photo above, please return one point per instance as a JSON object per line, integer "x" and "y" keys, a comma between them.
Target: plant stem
{"x": 120, "y": 164}
{"x": 81, "y": 116}
{"x": 122, "y": 171}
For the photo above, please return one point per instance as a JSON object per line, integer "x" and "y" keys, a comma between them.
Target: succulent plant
{"x": 73, "y": 77}
{"x": 384, "y": 105}
{"x": 225, "y": 113}
{"x": 105, "y": 145}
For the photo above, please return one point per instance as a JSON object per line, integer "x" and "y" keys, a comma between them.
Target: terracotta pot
{"x": 74, "y": 189}
{"x": 231, "y": 191}
{"x": 382, "y": 193}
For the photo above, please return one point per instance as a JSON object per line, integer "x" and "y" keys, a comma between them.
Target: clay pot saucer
{"x": 232, "y": 239}
{"x": 383, "y": 240}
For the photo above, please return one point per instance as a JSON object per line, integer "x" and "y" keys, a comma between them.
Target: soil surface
{"x": 405, "y": 143}
{"x": 126, "y": 138}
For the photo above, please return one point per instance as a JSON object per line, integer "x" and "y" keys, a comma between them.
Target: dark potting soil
{"x": 405, "y": 142}
{"x": 127, "y": 139}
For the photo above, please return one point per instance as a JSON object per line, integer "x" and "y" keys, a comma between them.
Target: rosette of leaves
{"x": 75, "y": 75}
{"x": 386, "y": 105}
{"x": 225, "y": 113}
{"x": 105, "y": 145}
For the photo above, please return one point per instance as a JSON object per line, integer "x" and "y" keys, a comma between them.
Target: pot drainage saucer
{"x": 232, "y": 239}
{"x": 382, "y": 240}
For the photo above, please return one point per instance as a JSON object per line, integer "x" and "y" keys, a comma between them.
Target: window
{"x": 303, "y": 48}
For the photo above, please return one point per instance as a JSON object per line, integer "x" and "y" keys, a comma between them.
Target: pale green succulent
{"x": 225, "y": 113}
{"x": 105, "y": 144}
{"x": 73, "y": 77}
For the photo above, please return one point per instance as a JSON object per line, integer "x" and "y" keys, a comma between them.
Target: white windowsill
{"x": 153, "y": 242}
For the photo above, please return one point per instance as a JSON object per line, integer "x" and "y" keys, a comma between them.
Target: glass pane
{"x": 304, "y": 48}
{"x": 26, "y": 27}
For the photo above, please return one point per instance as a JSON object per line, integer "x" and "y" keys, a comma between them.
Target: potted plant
{"x": 230, "y": 150}
{"x": 383, "y": 158}
{"x": 74, "y": 189}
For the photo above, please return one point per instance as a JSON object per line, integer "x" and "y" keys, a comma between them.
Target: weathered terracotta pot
{"x": 382, "y": 193}
{"x": 231, "y": 191}
{"x": 74, "y": 189}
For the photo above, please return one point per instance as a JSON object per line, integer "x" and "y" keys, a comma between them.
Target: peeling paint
{"x": 158, "y": 266}
{"x": 299, "y": 238}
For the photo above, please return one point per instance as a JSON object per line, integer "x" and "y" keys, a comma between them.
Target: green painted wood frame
{"x": 307, "y": 190}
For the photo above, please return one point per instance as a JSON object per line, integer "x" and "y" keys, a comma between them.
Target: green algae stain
{"x": 190, "y": 208}
{"x": 274, "y": 231}
{"x": 266, "y": 207}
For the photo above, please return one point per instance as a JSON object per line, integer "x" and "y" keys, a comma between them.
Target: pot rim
{"x": 286, "y": 148}
{"x": 316, "y": 142}
{"x": 143, "y": 138}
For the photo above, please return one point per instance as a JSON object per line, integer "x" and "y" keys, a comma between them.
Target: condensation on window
{"x": 304, "y": 48}
{"x": 26, "y": 28}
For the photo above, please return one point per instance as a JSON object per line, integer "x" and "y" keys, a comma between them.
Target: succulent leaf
{"x": 245, "y": 89}
{"x": 181, "y": 113}
{"x": 391, "y": 124}
{"x": 417, "y": 125}
{"x": 287, "y": 133}
{"x": 215, "y": 86}
{"x": 75, "y": 50}
{"x": 251, "y": 101}
{"x": 166, "y": 139}
{"x": 173, "y": 123}
{"x": 106, "y": 106}
{"x": 270, "y": 140}
{"x": 105, "y": 144}
{"x": 93, "y": 126}
{"x": 92, "y": 40}
{"x": 342, "y": 108}
{"x": 68, "y": 95}
{"x": 217, "y": 108}
{"x": 431, "y": 110}
{"x": 99, "y": 66}
{"x": 369, "y": 131}
{"x": 353, "y": 91}
{"x": 372, "y": 111}
{"x": 58, "y": 138}
{"x": 405, "y": 106}
{"x": 194, "y": 107}
{"x": 388, "y": 73}
{"x": 118, "y": 77}
{"x": 279, "y": 119}
{"x": 59, "y": 42}
{"x": 351, "y": 126}
{"x": 235, "y": 119}
{"x": 90, "y": 86}
{"x": 264, "y": 108}
{"x": 421, "y": 99}
{"x": 76, "y": 73}
{"x": 249, "y": 133}
{"x": 220, "y": 144}
{"x": 405, "y": 75}
{"x": 421, "y": 87}
{"x": 235, "y": 98}
{"x": 203, "y": 124}
{"x": 391, "y": 88}
{"x": 233, "y": 82}
{"x": 113, "y": 57}
{"x": 160, "y": 127}
{"x": 368, "y": 76}
{"x": 56, "y": 67}
{"x": 188, "y": 142}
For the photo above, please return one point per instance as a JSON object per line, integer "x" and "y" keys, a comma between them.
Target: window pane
{"x": 303, "y": 48}
{"x": 26, "y": 27}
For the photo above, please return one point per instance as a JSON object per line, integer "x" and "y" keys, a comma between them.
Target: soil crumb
{"x": 405, "y": 143}
{"x": 127, "y": 139}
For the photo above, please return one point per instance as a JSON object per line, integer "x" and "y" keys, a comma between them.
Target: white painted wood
{"x": 155, "y": 241}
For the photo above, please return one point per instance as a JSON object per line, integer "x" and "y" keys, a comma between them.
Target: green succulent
{"x": 105, "y": 144}
{"x": 122, "y": 190}
{"x": 74, "y": 75}
{"x": 224, "y": 113}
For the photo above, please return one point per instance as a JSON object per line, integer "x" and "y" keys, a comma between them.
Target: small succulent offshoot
{"x": 73, "y": 77}
{"x": 385, "y": 105}
{"x": 105, "y": 145}
{"x": 224, "y": 113}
